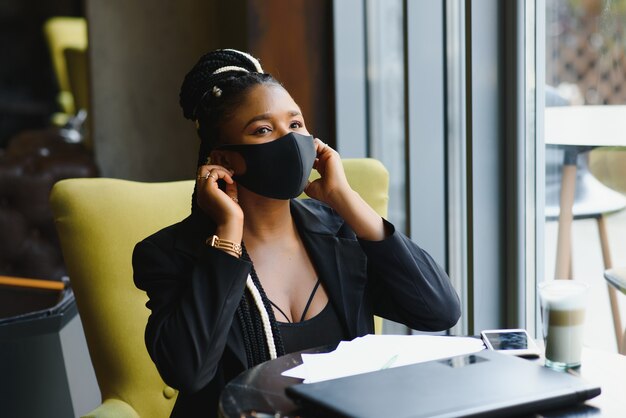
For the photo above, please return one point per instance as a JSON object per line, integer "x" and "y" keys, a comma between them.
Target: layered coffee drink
{"x": 563, "y": 314}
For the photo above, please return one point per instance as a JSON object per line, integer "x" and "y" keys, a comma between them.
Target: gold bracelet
{"x": 224, "y": 244}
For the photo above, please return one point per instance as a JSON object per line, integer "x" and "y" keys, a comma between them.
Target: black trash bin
{"x": 45, "y": 370}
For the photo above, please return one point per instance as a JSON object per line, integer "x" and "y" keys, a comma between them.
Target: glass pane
{"x": 385, "y": 74}
{"x": 585, "y": 180}
{"x": 385, "y": 78}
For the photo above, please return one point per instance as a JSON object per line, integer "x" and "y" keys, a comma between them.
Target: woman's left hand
{"x": 333, "y": 189}
{"x": 333, "y": 182}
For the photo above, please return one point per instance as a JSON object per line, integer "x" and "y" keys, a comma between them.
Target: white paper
{"x": 376, "y": 352}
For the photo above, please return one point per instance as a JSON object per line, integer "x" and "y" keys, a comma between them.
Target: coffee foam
{"x": 563, "y": 294}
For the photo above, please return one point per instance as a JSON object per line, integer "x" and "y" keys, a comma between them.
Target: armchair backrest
{"x": 65, "y": 32}
{"x": 99, "y": 222}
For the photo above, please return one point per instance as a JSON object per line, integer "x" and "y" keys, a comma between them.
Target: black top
{"x": 323, "y": 329}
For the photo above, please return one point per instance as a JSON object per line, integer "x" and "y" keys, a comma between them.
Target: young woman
{"x": 253, "y": 273}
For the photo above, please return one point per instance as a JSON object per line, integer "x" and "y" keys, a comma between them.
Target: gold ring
{"x": 235, "y": 199}
{"x": 212, "y": 176}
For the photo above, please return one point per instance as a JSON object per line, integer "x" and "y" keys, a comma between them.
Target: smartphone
{"x": 516, "y": 342}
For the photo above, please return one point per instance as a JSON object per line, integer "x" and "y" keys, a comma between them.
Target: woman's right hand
{"x": 220, "y": 205}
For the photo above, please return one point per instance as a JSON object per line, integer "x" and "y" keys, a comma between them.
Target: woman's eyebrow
{"x": 262, "y": 116}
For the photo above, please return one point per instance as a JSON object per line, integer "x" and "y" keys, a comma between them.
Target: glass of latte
{"x": 563, "y": 314}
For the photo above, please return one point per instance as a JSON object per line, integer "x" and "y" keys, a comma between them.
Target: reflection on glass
{"x": 586, "y": 50}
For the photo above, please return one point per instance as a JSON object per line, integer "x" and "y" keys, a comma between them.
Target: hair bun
{"x": 211, "y": 68}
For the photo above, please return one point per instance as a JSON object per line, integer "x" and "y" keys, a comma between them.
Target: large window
{"x": 461, "y": 101}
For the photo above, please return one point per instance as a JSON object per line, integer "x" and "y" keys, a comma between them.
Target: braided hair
{"x": 211, "y": 92}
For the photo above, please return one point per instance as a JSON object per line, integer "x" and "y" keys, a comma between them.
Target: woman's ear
{"x": 217, "y": 158}
{"x": 228, "y": 159}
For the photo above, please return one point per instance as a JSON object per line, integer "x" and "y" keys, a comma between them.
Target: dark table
{"x": 260, "y": 391}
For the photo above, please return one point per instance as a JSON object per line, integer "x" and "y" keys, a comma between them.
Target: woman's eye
{"x": 295, "y": 125}
{"x": 262, "y": 131}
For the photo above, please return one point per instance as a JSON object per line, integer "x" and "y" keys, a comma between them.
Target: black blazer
{"x": 194, "y": 291}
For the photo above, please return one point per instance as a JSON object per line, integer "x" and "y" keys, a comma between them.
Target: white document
{"x": 377, "y": 352}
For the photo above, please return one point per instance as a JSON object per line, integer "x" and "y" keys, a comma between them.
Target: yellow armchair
{"x": 99, "y": 222}
{"x": 61, "y": 33}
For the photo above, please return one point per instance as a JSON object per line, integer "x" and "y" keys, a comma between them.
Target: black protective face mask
{"x": 278, "y": 169}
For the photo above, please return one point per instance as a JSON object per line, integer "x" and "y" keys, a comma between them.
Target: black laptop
{"x": 480, "y": 384}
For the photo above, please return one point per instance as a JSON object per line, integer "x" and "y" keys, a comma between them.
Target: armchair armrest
{"x": 31, "y": 283}
{"x": 113, "y": 408}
